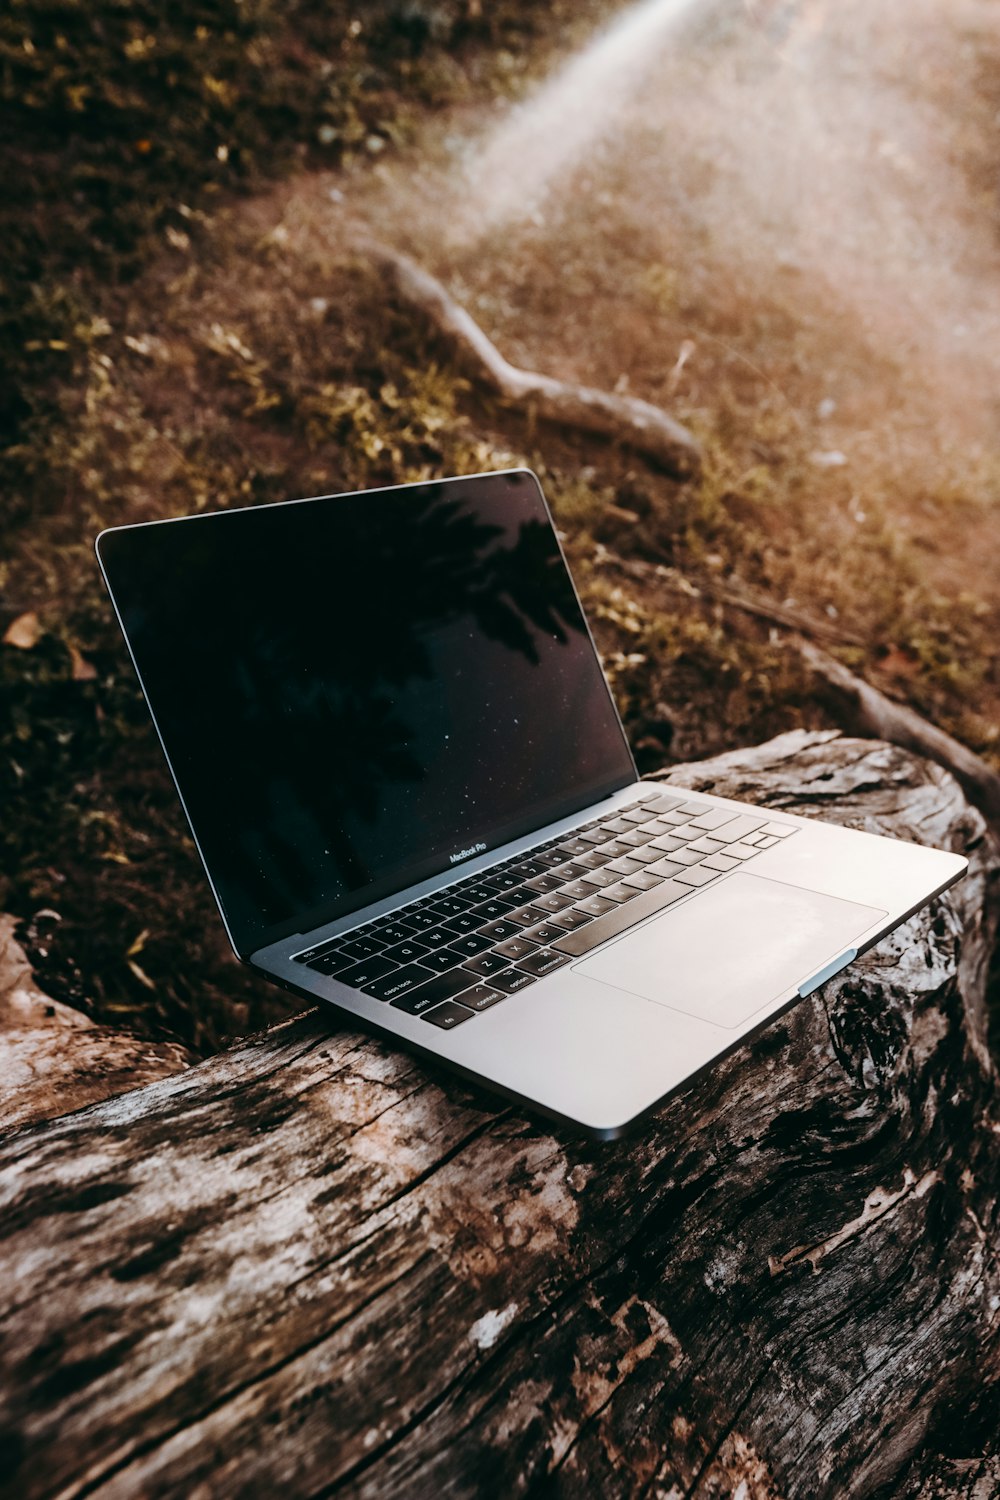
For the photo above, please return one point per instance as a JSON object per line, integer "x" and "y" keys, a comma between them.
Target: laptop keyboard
{"x": 449, "y": 956}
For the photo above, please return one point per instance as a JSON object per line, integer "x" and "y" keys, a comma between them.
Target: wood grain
{"x": 314, "y": 1266}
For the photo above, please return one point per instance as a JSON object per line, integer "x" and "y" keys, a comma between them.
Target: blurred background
{"x": 775, "y": 219}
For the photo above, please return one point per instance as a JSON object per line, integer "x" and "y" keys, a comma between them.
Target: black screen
{"x": 353, "y": 690}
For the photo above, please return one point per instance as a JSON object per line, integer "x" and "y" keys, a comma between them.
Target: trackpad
{"x": 733, "y": 949}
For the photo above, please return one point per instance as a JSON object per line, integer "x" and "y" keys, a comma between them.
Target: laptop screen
{"x": 357, "y": 692}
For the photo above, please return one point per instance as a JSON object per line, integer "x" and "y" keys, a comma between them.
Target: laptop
{"x": 414, "y": 800}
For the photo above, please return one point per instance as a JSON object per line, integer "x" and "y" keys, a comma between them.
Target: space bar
{"x": 614, "y": 922}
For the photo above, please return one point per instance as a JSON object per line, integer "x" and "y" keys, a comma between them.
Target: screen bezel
{"x": 308, "y": 921}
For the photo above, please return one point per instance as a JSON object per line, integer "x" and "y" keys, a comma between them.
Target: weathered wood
{"x": 636, "y": 424}
{"x": 863, "y": 709}
{"x": 312, "y": 1265}
{"x": 53, "y": 1058}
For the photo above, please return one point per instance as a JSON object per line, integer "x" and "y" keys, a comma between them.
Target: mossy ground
{"x": 195, "y": 355}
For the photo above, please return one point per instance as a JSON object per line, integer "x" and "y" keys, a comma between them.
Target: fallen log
{"x": 53, "y": 1058}
{"x": 313, "y": 1264}
{"x": 862, "y": 709}
{"x": 635, "y": 424}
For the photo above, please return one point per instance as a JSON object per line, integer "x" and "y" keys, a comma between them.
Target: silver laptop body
{"x": 413, "y": 797}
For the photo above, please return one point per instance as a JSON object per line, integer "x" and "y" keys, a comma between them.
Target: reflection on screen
{"x": 353, "y": 691}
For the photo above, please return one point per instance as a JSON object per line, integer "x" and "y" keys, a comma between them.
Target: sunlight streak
{"x": 543, "y": 138}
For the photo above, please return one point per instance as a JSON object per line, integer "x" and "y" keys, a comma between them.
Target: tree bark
{"x": 314, "y": 1265}
{"x": 54, "y": 1058}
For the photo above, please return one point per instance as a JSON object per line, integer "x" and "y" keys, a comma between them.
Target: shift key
{"x": 421, "y": 996}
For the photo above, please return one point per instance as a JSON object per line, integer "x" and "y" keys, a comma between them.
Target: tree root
{"x": 634, "y": 424}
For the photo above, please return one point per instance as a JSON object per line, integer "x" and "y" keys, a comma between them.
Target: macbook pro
{"x": 414, "y": 800}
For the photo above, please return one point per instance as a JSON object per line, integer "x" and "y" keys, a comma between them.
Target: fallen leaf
{"x": 24, "y": 632}
{"x": 82, "y": 669}
{"x": 140, "y": 974}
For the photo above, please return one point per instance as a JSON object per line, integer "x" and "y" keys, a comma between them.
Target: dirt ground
{"x": 778, "y": 220}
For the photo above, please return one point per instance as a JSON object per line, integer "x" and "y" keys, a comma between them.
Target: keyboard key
{"x": 319, "y": 951}
{"x": 594, "y": 860}
{"x": 766, "y": 842}
{"x": 438, "y": 987}
{"x": 406, "y": 953}
{"x": 515, "y": 948}
{"x": 553, "y": 902}
{"x": 577, "y": 890}
{"x": 465, "y": 921}
{"x": 400, "y": 982}
{"x": 647, "y": 856}
{"x": 370, "y": 969}
{"x": 624, "y": 866}
{"x": 617, "y": 850}
{"x": 636, "y": 838}
{"x": 779, "y": 830}
{"x": 617, "y": 825}
{"x": 526, "y": 868}
{"x": 676, "y": 819}
{"x": 667, "y": 843}
{"x": 741, "y": 851}
{"x": 542, "y": 884}
{"x": 664, "y": 804}
{"x": 619, "y": 893}
{"x": 332, "y": 963}
{"x": 638, "y": 815}
{"x": 451, "y": 905}
{"x": 547, "y": 933}
{"x": 394, "y": 931}
{"x": 574, "y": 846}
{"x": 543, "y": 962}
{"x": 680, "y": 856}
{"x": 485, "y": 964}
{"x": 481, "y": 891}
{"x": 497, "y": 931}
{"x": 512, "y": 980}
{"x": 440, "y": 961}
{"x": 595, "y": 906}
{"x": 738, "y": 827}
{"x": 493, "y": 911}
{"x": 660, "y": 826}
{"x": 420, "y": 919}
{"x": 620, "y": 918}
{"x": 694, "y": 808}
{"x": 482, "y": 997}
{"x": 572, "y": 919}
{"x": 705, "y": 846}
{"x": 595, "y": 836}
{"x": 448, "y": 1016}
{"x": 506, "y": 880}
{"x": 470, "y": 944}
{"x": 642, "y": 880}
{"x": 437, "y": 937}
{"x": 527, "y": 916}
{"x": 666, "y": 869}
{"x": 721, "y": 862}
{"x": 699, "y": 875}
{"x": 715, "y": 818}
{"x": 549, "y": 858}
{"x": 598, "y": 878}
{"x": 571, "y": 871}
